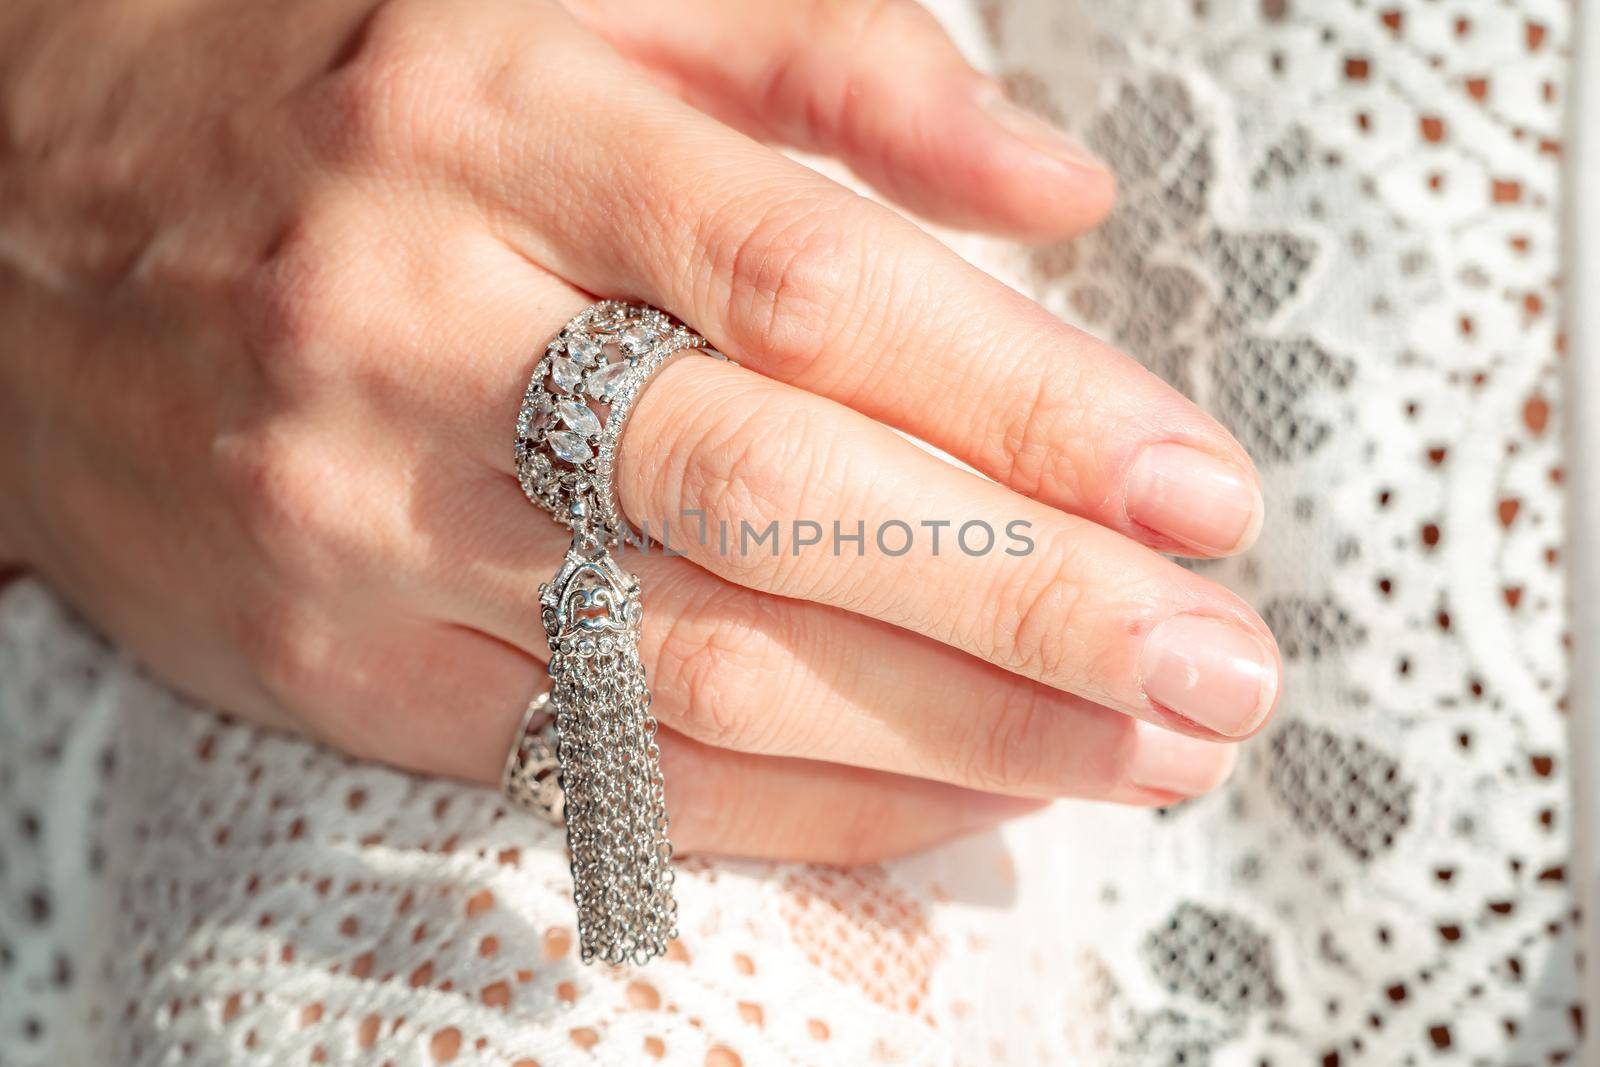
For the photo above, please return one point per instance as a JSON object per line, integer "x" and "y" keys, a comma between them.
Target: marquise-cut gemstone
{"x": 579, "y": 417}
{"x": 604, "y": 380}
{"x": 570, "y": 447}
{"x": 583, "y": 348}
{"x": 637, "y": 339}
{"x": 566, "y": 373}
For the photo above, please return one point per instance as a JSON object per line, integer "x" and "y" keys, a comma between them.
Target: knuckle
{"x": 289, "y": 653}
{"x": 1042, "y": 608}
{"x": 739, "y": 469}
{"x": 284, "y": 499}
{"x": 789, "y": 271}
{"x": 388, "y": 101}
{"x": 714, "y": 659}
{"x": 294, "y": 305}
{"x": 1039, "y": 442}
{"x": 1008, "y": 754}
{"x": 756, "y": 465}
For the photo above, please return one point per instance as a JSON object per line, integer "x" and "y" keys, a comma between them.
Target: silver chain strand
{"x": 595, "y": 724}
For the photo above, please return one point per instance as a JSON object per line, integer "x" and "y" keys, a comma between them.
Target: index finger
{"x": 807, "y": 282}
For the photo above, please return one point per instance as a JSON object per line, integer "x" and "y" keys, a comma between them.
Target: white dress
{"x": 1338, "y": 230}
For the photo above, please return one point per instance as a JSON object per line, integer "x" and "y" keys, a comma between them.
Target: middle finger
{"x": 1050, "y": 596}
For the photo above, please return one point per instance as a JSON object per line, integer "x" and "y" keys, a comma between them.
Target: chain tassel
{"x": 610, "y": 764}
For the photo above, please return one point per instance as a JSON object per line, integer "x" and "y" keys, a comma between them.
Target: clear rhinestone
{"x": 583, "y": 348}
{"x": 566, "y": 374}
{"x": 604, "y": 380}
{"x": 637, "y": 339}
{"x": 533, "y": 416}
{"x": 570, "y": 447}
{"x": 579, "y": 417}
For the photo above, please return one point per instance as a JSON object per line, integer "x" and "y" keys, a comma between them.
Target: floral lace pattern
{"x": 1337, "y": 231}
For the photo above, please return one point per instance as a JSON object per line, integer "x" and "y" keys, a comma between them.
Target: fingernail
{"x": 1035, "y": 131}
{"x": 1194, "y": 498}
{"x": 1210, "y": 672}
{"x": 1174, "y": 763}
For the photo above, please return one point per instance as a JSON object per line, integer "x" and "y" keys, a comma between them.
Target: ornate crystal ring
{"x": 578, "y": 401}
{"x": 606, "y": 762}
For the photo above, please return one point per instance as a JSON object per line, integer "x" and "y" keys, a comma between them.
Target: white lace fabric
{"x": 1338, "y": 231}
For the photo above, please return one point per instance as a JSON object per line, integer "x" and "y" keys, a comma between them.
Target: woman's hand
{"x": 274, "y": 277}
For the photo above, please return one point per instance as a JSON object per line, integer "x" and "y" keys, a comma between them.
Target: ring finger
{"x": 744, "y": 670}
{"x": 387, "y": 706}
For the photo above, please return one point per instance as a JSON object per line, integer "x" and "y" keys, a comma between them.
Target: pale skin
{"x": 274, "y": 277}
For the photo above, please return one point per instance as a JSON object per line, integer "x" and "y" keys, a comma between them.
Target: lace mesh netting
{"x": 1337, "y": 230}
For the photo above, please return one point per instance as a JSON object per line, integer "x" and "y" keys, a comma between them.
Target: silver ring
{"x": 577, "y": 404}
{"x": 531, "y": 778}
{"x": 600, "y": 730}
